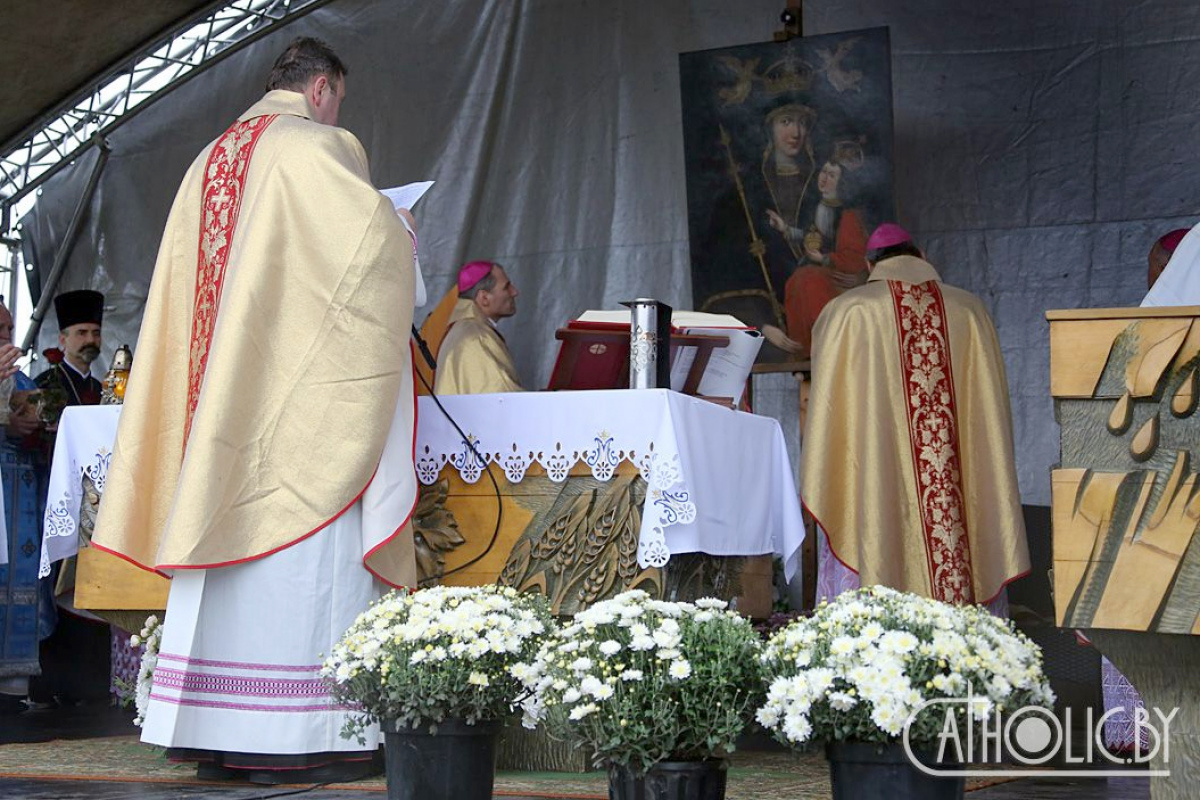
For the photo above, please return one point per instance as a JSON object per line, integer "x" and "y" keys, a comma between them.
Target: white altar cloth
{"x": 83, "y": 446}
{"x": 719, "y": 481}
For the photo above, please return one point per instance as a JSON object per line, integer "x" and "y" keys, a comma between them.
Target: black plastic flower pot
{"x": 455, "y": 762}
{"x": 669, "y": 780}
{"x": 867, "y": 771}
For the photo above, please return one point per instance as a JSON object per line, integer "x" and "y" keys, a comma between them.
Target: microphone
{"x": 424, "y": 348}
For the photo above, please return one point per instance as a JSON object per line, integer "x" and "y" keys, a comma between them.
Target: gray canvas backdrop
{"x": 1040, "y": 147}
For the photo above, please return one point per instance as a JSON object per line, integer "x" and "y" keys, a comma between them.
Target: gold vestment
{"x": 273, "y": 353}
{"x": 908, "y": 459}
{"x": 473, "y": 358}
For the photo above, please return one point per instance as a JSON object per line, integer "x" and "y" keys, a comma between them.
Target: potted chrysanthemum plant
{"x": 881, "y": 676}
{"x": 658, "y": 690}
{"x": 434, "y": 668}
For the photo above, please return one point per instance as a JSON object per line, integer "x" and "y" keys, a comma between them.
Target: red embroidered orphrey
{"x": 933, "y": 431}
{"x": 221, "y": 201}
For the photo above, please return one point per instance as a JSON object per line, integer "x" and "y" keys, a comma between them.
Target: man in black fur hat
{"x": 80, "y": 314}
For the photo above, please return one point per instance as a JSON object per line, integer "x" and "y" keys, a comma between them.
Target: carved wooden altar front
{"x": 574, "y": 541}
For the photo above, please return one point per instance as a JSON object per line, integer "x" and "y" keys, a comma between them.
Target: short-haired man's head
{"x": 304, "y": 59}
{"x": 891, "y": 251}
{"x": 494, "y": 294}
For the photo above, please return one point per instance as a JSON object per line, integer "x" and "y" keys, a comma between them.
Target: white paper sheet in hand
{"x": 406, "y": 197}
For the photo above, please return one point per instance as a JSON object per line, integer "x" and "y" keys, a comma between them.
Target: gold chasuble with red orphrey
{"x": 273, "y": 365}
{"x": 908, "y": 459}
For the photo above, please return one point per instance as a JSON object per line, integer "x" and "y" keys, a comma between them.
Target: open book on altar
{"x": 711, "y": 354}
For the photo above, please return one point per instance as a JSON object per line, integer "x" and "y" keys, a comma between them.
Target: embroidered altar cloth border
{"x": 718, "y": 481}
{"x": 82, "y": 447}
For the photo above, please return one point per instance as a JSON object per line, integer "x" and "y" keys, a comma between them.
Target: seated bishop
{"x": 473, "y": 357}
{"x": 908, "y": 464}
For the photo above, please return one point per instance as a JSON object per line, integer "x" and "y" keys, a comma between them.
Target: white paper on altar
{"x": 718, "y": 481}
{"x": 83, "y": 446}
{"x": 728, "y": 367}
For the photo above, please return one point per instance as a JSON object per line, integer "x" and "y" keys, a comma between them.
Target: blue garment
{"x": 27, "y": 612}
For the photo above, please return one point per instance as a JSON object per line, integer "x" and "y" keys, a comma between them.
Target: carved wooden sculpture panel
{"x": 1126, "y": 498}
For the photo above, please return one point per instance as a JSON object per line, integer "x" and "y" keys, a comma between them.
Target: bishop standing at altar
{"x": 908, "y": 464}
{"x": 473, "y": 357}
{"x": 264, "y": 454}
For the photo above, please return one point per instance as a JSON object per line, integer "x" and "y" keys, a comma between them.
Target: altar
{"x": 596, "y": 491}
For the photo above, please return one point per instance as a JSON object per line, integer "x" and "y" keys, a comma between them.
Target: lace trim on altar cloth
{"x": 668, "y": 499}
{"x": 62, "y": 512}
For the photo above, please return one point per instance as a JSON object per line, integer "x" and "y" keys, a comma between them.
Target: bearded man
{"x": 80, "y": 315}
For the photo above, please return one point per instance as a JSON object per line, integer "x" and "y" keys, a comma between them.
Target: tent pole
{"x": 68, "y": 243}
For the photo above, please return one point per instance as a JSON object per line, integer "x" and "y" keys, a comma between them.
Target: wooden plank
{"x": 1078, "y": 352}
{"x": 1068, "y": 314}
{"x": 105, "y": 582}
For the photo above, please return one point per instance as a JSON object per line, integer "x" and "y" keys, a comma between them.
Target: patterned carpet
{"x": 752, "y": 775}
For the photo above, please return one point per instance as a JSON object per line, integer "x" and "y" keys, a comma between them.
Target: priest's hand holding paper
{"x": 403, "y": 198}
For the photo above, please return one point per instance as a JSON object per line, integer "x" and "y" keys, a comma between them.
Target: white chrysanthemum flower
{"x": 797, "y": 728}
{"x": 841, "y": 646}
{"x": 631, "y": 675}
{"x": 680, "y": 669}
{"x": 640, "y": 643}
{"x": 610, "y": 647}
{"x": 579, "y": 712}
{"x": 841, "y": 701}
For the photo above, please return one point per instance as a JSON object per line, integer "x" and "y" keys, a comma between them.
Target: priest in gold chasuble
{"x": 473, "y": 357}
{"x": 908, "y": 463}
{"x": 264, "y": 454}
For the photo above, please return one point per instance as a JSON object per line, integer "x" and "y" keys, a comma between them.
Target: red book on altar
{"x": 711, "y": 354}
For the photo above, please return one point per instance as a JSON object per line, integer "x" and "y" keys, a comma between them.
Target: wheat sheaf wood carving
{"x": 435, "y": 533}
{"x": 584, "y": 548}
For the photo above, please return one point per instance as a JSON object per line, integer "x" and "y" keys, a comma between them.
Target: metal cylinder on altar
{"x": 649, "y": 344}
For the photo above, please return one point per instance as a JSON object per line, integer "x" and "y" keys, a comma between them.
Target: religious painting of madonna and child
{"x": 788, "y": 148}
